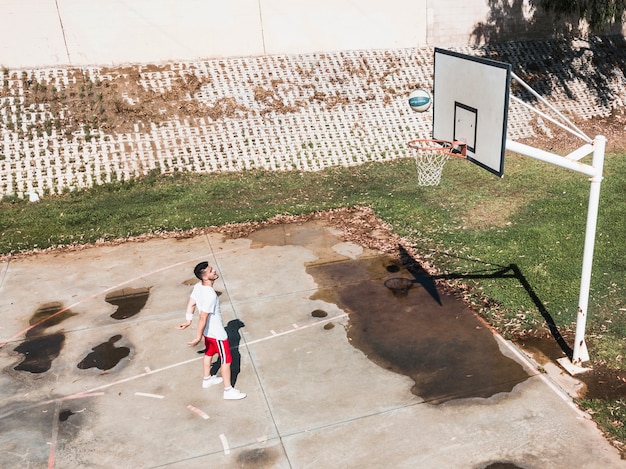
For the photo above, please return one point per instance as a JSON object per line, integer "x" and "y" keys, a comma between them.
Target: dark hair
{"x": 197, "y": 270}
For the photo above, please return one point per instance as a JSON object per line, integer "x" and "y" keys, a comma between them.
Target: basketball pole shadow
{"x": 512, "y": 271}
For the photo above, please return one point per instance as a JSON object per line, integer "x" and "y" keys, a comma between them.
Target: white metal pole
{"x": 551, "y": 158}
{"x": 581, "y": 354}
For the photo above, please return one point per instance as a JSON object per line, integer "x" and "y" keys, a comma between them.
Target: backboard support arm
{"x": 594, "y": 171}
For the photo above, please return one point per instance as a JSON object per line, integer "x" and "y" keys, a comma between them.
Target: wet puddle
{"x": 258, "y": 458}
{"x": 599, "y": 382}
{"x": 502, "y": 465}
{"x": 65, "y": 414}
{"x": 40, "y": 352}
{"x": 105, "y": 356}
{"x": 319, "y": 313}
{"x": 40, "y": 349}
{"x": 418, "y": 331}
{"x": 129, "y": 301}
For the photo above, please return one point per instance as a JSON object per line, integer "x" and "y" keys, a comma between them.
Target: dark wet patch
{"x": 105, "y": 356}
{"x": 319, "y": 313}
{"x": 543, "y": 350}
{"x": 604, "y": 383}
{"x": 399, "y": 286}
{"x": 288, "y": 234}
{"x": 40, "y": 349}
{"x": 600, "y": 382}
{"x": 256, "y": 458}
{"x": 65, "y": 414}
{"x": 328, "y": 326}
{"x": 48, "y": 315}
{"x": 40, "y": 352}
{"x": 312, "y": 235}
{"x": 427, "y": 334}
{"x": 129, "y": 301}
{"x": 501, "y": 465}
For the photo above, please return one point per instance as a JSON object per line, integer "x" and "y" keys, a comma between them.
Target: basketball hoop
{"x": 431, "y": 156}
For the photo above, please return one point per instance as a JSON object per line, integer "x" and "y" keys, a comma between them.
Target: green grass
{"x": 610, "y": 416}
{"x": 472, "y": 224}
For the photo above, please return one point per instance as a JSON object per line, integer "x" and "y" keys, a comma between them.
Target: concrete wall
{"x": 480, "y": 21}
{"x": 452, "y": 21}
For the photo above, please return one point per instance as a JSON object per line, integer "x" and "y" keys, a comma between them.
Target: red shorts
{"x": 221, "y": 347}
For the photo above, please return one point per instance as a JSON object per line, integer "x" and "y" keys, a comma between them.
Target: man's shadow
{"x": 234, "y": 338}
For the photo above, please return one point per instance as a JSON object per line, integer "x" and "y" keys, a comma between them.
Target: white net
{"x": 430, "y": 164}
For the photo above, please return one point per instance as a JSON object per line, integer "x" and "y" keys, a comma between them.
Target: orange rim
{"x": 444, "y": 146}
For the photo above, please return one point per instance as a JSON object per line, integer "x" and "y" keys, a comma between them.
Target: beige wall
{"x": 475, "y": 22}
{"x": 452, "y": 21}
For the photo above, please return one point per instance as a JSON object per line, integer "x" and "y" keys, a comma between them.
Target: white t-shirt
{"x": 207, "y": 302}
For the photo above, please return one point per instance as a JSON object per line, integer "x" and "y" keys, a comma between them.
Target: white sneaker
{"x": 210, "y": 381}
{"x": 233, "y": 393}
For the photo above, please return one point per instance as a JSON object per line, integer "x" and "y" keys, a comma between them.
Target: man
{"x": 211, "y": 327}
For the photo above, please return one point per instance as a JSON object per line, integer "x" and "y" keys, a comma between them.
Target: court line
{"x": 195, "y": 410}
{"x": 225, "y": 444}
{"x": 59, "y": 399}
{"x": 55, "y": 435}
{"x": 147, "y": 394}
{"x": 300, "y": 328}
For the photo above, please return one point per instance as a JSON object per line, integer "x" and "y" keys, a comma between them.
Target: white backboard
{"x": 471, "y": 104}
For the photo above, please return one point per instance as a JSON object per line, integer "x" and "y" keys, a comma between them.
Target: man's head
{"x": 199, "y": 269}
{"x": 203, "y": 271}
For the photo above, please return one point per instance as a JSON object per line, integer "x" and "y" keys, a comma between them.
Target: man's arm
{"x": 200, "y": 331}
{"x": 191, "y": 306}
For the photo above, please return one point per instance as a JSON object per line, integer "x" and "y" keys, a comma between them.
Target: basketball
{"x": 420, "y": 100}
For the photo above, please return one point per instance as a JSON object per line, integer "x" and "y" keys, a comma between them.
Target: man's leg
{"x": 226, "y": 358}
{"x": 206, "y": 365}
{"x": 208, "y": 380}
{"x": 226, "y": 375}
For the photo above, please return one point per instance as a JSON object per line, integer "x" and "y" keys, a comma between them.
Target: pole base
{"x": 572, "y": 369}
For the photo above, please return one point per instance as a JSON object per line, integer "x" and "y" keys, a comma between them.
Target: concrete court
{"x": 313, "y": 400}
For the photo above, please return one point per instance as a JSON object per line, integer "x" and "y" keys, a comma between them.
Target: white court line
{"x": 55, "y": 435}
{"x": 224, "y": 443}
{"x": 301, "y": 328}
{"x": 197, "y": 411}
{"x": 145, "y": 394}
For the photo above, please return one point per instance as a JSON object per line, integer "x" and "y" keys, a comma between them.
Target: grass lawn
{"x": 513, "y": 245}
